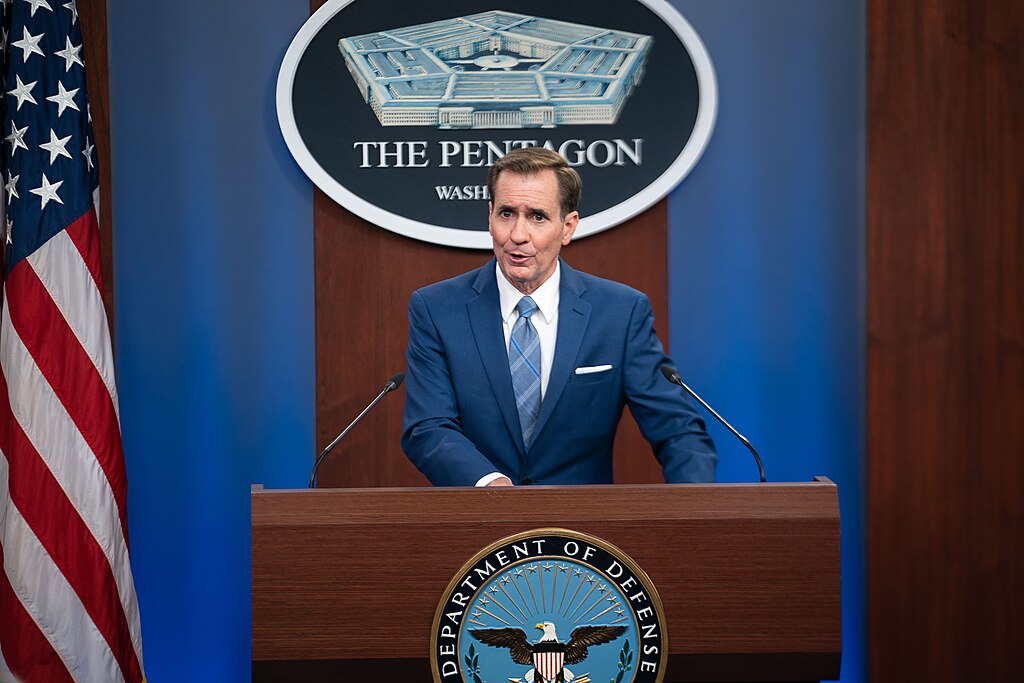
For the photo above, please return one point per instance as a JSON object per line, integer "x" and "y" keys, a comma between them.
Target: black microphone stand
{"x": 392, "y": 384}
{"x": 672, "y": 375}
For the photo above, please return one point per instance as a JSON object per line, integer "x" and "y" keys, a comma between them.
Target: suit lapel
{"x": 573, "y": 316}
{"x": 485, "y": 319}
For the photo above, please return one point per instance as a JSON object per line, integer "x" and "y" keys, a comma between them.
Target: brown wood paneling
{"x": 92, "y": 15}
{"x": 748, "y": 574}
{"x": 364, "y": 277}
{"x": 945, "y": 532}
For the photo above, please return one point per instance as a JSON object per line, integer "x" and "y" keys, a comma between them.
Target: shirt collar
{"x": 546, "y": 296}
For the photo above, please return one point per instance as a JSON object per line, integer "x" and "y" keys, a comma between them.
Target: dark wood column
{"x": 945, "y": 495}
{"x": 92, "y": 17}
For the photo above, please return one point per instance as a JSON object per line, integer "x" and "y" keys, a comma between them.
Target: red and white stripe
{"x": 68, "y": 610}
{"x": 548, "y": 664}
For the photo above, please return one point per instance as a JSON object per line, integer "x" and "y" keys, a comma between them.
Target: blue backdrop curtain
{"x": 213, "y": 260}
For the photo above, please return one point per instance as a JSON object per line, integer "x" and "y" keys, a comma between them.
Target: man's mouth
{"x": 516, "y": 257}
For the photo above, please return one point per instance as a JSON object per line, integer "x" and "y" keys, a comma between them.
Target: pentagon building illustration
{"x": 496, "y": 69}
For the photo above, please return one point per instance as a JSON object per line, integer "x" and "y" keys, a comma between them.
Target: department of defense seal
{"x": 549, "y": 606}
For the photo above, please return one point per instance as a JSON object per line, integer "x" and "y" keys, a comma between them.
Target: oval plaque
{"x": 396, "y": 109}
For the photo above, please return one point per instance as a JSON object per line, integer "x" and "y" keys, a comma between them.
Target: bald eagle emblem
{"x": 558, "y": 581}
{"x": 548, "y": 655}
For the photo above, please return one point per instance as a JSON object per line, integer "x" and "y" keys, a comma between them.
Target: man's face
{"x": 527, "y": 227}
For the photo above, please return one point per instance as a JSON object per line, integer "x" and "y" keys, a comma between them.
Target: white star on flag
{"x": 11, "y": 187}
{"x": 64, "y": 99}
{"x": 70, "y": 55}
{"x": 28, "y": 44}
{"x": 17, "y": 138}
{"x": 74, "y": 10}
{"x": 56, "y": 147}
{"x": 48, "y": 191}
{"x": 88, "y": 154}
{"x": 23, "y": 91}
{"x": 36, "y": 4}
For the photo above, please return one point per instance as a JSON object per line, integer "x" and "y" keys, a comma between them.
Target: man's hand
{"x": 501, "y": 481}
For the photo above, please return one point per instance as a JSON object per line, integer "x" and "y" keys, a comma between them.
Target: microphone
{"x": 672, "y": 375}
{"x": 393, "y": 383}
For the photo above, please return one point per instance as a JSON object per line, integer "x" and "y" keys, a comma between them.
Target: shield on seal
{"x": 548, "y": 661}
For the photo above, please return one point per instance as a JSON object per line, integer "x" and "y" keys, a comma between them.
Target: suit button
{"x": 525, "y": 481}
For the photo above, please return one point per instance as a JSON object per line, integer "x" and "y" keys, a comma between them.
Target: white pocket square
{"x": 591, "y": 369}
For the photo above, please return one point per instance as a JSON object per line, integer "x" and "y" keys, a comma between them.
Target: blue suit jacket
{"x": 460, "y": 419}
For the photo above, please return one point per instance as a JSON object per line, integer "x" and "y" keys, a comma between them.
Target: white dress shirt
{"x": 544, "y": 319}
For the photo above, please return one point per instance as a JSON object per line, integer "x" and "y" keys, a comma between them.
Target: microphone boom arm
{"x": 392, "y": 384}
{"x": 672, "y": 375}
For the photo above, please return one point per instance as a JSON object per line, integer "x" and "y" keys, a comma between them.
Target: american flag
{"x": 68, "y": 610}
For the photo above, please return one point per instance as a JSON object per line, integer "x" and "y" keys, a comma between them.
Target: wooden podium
{"x": 345, "y": 581}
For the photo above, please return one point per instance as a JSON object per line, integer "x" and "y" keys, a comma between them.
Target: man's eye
{"x": 539, "y": 217}
{"x": 505, "y": 213}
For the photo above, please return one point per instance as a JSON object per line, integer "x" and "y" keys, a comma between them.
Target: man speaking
{"x": 517, "y": 372}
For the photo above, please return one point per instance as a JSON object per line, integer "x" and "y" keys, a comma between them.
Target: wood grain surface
{"x": 748, "y": 574}
{"x": 945, "y": 498}
{"x": 92, "y": 17}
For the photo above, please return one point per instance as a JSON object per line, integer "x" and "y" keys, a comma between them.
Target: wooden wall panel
{"x": 945, "y": 533}
{"x": 364, "y": 277}
{"x": 92, "y": 15}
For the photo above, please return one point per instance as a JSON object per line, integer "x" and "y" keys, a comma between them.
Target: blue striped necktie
{"x": 524, "y": 363}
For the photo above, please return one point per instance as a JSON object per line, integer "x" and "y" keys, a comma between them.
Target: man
{"x": 518, "y": 371}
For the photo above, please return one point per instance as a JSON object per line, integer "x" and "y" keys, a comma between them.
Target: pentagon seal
{"x": 395, "y": 108}
{"x": 549, "y": 606}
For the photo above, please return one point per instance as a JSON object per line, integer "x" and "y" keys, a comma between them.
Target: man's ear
{"x": 569, "y": 224}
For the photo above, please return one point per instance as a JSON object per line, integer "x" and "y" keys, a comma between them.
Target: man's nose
{"x": 520, "y": 232}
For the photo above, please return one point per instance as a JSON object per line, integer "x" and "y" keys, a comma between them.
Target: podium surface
{"x": 345, "y": 582}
